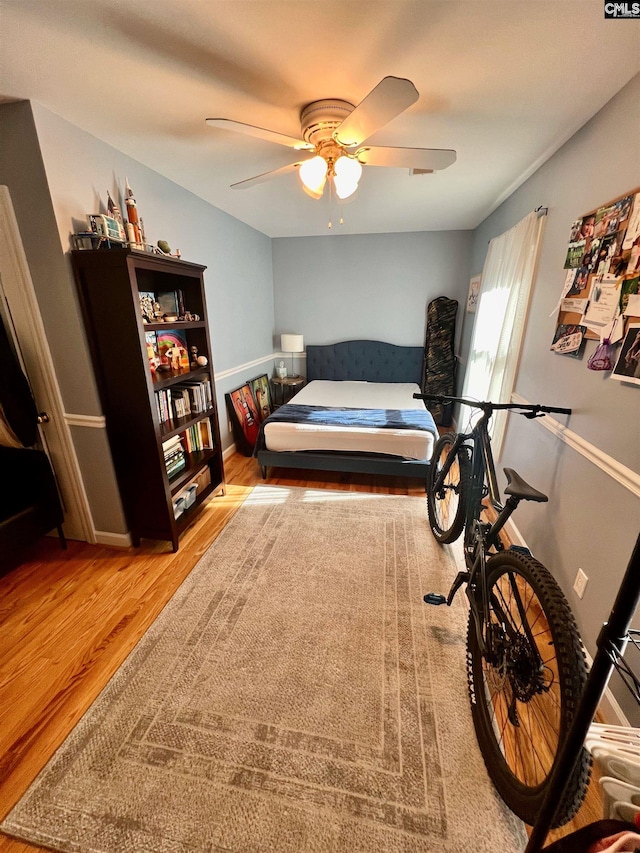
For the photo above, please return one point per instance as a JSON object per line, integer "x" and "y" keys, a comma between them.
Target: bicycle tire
{"x": 520, "y": 729}
{"x": 446, "y": 508}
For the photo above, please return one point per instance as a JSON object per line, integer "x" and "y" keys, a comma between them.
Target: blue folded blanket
{"x": 324, "y": 416}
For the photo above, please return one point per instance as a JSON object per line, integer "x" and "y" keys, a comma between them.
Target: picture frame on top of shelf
{"x": 244, "y": 417}
{"x": 262, "y": 395}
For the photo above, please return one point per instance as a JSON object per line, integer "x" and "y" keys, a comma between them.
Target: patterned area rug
{"x": 294, "y": 696}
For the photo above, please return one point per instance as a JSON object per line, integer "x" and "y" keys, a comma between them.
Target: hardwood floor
{"x": 68, "y": 619}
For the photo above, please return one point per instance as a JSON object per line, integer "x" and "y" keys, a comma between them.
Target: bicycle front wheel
{"x": 446, "y": 505}
{"x": 525, "y": 690}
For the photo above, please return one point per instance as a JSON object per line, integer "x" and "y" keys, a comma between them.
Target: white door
{"x": 19, "y": 308}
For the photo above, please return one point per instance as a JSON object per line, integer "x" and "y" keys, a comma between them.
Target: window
{"x": 507, "y": 277}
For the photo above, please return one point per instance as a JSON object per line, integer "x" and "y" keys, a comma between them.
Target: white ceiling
{"x": 503, "y": 83}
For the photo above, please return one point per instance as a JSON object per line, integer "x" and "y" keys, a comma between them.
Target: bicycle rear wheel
{"x": 524, "y": 693}
{"x": 446, "y": 505}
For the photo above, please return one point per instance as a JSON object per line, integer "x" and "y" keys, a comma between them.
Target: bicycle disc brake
{"x": 512, "y": 659}
{"x": 525, "y": 669}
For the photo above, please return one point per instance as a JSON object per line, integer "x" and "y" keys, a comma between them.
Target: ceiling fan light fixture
{"x": 347, "y": 174}
{"x": 313, "y": 174}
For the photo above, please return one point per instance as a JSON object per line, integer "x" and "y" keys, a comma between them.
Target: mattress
{"x": 406, "y": 443}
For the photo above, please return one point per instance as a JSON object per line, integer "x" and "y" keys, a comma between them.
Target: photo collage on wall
{"x": 601, "y": 298}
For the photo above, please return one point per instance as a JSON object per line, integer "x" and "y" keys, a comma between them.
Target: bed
{"x": 356, "y": 414}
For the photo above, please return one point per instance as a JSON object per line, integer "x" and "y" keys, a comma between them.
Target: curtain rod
{"x": 541, "y": 211}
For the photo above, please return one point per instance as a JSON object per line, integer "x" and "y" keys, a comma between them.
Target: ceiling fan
{"x": 333, "y": 133}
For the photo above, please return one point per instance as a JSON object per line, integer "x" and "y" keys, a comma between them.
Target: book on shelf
{"x": 181, "y": 401}
{"x": 199, "y": 391}
{"x": 174, "y": 455}
{"x": 171, "y": 443}
{"x": 176, "y": 467}
{"x": 206, "y": 433}
{"x": 199, "y": 436}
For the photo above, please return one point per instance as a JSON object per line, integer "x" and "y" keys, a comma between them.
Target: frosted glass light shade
{"x": 292, "y": 343}
{"x": 313, "y": 174}
{"x": 348, "y": 172}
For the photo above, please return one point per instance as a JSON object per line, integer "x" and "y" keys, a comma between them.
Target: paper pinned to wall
{"x": 604, "y": 302}
{"x": 633, "y": 306}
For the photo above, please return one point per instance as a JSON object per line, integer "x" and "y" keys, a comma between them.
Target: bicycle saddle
{"x": 521, "y": 489}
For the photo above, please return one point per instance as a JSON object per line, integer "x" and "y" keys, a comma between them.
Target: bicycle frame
{"x": 481, "y": 538}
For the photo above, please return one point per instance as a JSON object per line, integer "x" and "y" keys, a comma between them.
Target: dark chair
{"x": 29, "y": 501}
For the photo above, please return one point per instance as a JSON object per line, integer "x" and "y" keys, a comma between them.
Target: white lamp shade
{"x": 292, "y": 343}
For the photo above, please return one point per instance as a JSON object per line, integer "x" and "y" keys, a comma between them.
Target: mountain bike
{"x": 525, "y": 660}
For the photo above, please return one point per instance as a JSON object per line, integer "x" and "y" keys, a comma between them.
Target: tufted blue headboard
{"x": 371, "y": 361}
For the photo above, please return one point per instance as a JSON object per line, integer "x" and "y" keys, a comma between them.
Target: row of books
{"x": 199, "y": 436}
{"x": 187, "y": 398}
{"x": 174, "y": 455}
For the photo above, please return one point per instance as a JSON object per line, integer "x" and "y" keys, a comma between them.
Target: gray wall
{"x": 591, "y": 521}
{"x": 373, "y": 286}
{"x": 57, "y": 173}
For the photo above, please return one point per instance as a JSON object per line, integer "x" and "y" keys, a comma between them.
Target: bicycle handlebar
{"x": 529, "y": 410}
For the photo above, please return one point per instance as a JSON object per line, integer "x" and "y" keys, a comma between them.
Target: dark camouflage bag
{"x": 439, "y": 375}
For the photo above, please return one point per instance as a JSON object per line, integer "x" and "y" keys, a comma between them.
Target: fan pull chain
{"x": 330, "y": 198}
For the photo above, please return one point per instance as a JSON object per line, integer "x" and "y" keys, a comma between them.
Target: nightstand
{"x": 288, "y": 386}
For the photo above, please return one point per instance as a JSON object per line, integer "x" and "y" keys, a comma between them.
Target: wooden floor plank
{"x": 69, "y": 619}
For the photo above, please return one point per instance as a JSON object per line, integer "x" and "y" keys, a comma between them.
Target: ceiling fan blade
{"x": 260, "y": 133}
{"x": 392, "y": 96}
{"x": 266, "y": 176}
{"x": 423, "y": 159}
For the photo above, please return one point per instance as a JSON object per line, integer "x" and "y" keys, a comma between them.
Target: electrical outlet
{"x": 580, "y": 583}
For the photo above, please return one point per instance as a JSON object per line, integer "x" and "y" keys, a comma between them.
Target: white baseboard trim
{"x": 229, "y": 451}
{"x": 118, "y": 540}
{"x": 609, "y": 708}
{"x": 625, "y": 476}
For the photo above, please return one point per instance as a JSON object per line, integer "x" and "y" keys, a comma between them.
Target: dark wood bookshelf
{"x": 109, "y": 285}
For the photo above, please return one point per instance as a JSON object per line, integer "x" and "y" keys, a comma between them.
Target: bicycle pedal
{"x": 520, "y": 550}
{"x": 434, "y": 598}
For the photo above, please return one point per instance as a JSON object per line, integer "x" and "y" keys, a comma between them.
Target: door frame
{"x": 36, "y": 361}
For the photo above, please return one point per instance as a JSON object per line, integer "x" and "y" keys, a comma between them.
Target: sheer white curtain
{"x": 494, "y": 353}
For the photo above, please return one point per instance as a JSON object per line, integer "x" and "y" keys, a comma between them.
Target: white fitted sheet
{"x": 407, "y": 443}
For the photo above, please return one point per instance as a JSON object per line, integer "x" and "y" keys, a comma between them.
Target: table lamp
{"x": 292, "y": 343}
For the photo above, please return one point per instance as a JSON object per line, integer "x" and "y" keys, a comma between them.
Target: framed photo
{"x": 170, "y": 302}
{"x": 245, "y": 420}
{"x": 474, "y": 293}
{"x": 262, "y": 395}
{"x": 627, "y": 367}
